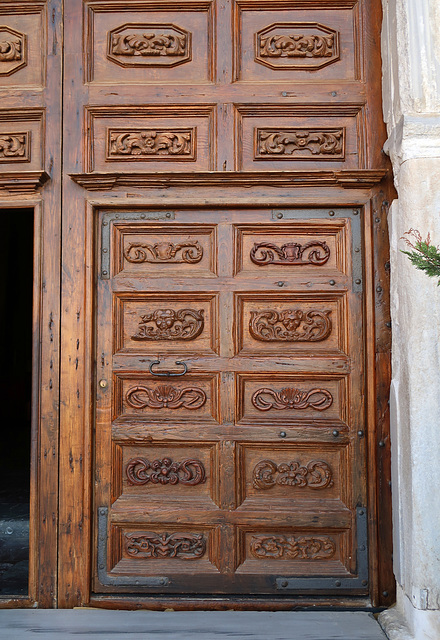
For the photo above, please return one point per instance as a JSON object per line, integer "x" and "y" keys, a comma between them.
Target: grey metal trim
{"x": 359, "y": 581}
{"x": 128, "y": 216}
{"x": 109, "y": 580}
{"x": 330, "y": 214}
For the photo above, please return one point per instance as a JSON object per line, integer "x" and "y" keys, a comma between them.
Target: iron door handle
{"x": 168, "y": 374}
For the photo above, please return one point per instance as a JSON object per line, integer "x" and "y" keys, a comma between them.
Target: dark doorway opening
{"x": 16, "y": 293}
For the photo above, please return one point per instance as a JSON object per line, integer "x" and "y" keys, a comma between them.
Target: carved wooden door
{"x": 229, "y": 338}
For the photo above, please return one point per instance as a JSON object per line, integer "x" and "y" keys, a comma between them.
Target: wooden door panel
{"x": 142, "y": 397}
{"x": 156, "y": 138}
{"x": 297, "y": 324}
{"x": 165, "y": 473}
{"x": 286, "y": 45}
{"x": 150, "y": 44}
{"x": 158, "y": 323}
{"x": 294, "y": 474}
{"x": 188, "y": 250}
{"x": 316, "y": 248}
{"x": 305, "y": 400}
{"x": 249, "y": 469}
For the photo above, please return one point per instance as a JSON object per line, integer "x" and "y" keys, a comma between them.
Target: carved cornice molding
{"x": 316, "y": 178}
{"x": 22, "y": 181}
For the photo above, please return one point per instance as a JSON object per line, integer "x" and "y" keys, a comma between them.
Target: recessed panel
{"x": 152, "y": 44}
{"x": 166, "y": 324}
{"x": 293, "y": 473}
{"x": 155, "y": 250}
{"x": 282, "y": 139}
{"x": 290, "y": 324}
{"x": 155, "y": 549}
{"x": 146, "y": 398}
{"x": 313, "y": 44}
{"x": 156, "y": 138}
{"x": 22, "y": 45}
{"x": 298, "y": 552}
{"x": 166, "y": 472}
{"x": 292, "y": 249}
{"x": 304, "y": 400}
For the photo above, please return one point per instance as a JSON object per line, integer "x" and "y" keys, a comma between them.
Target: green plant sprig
{"x": 423, "y": 255}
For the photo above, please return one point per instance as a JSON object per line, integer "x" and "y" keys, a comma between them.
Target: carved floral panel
{"x": 291, "y": 325}
{"x": 12, "y": 50}
{"x": 167, "y": 324}
{"x": 164, "y": 252}
{"x": 165, "y": 397}
{"x": 316, "y": 474}
{"x": 15, "y": 147}
{"x": 265, "y": 399}
{"x": 151, "y": 144}
{"x": 149, "y": 45}
{"x": 315, "y": 252}
{"x": 293, "y": 547}
{"x": 300, "y": 143}
{"x": 185, "y": 546}
{"x": 296, "y": 45}
{"x": 140, "y": 471}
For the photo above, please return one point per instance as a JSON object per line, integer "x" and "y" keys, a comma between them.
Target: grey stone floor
{"x": 77, "y": 624}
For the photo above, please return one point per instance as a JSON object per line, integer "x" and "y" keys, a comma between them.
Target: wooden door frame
{"x": 78, "y": 384}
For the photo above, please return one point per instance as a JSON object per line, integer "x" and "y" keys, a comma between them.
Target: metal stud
{"x": 335, "y": 433}
{"x": 332, "y": 282}
{"x": 283, "y": 434}
{"x": 331, "y": 213}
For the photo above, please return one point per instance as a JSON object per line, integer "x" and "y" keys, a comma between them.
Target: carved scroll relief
{"x": 15, "y": 147}
{"x": 296, "y": 45}
{"x": 185, "y": 546}
{"x": 149, "y": 45}
{"x": 165, "y": 397}
{"x": 167, "y": 324}
{"x": 315, "y": 252}
{"x": 12, "y": 50}
{"x": 315, "y": 474}
{"x": 140, "y": 471}
{"x": 151, "y": 144}
{"x": 164, "y": 252}
{"x": 293, "y": 548}
{"x": 291, "y": 325}
{"x": 299, "y": 143}
{"x": 266, "y": 399}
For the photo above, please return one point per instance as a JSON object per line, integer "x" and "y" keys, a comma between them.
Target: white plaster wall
{"x": 411, "y": 86}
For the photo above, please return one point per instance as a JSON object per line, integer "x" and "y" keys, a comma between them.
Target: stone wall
{"x": 411, "y": 88}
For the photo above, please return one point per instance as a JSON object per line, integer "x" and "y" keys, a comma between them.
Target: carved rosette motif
{"x": 167, "y": 324}
{"x": 15, "y": 147}
{"x": 291, "y": 325}
{"x": 296, "y": 45}
{"x": 303, "y": 143}
{"x": 151, "y": 144}
{"x": 316, "y": 474}
{"x": 12, "y": 50}
{"x": 293, "y": 548}
{"x": 141, "y": 471}
{"x": 149, "y": 45}
{"x": 315, "y": 252}
{"x": 165, "y": 397}
{"x": 185, "y": 546}
{"x": 266, "y": 399}
{"x": 164, "y": 252}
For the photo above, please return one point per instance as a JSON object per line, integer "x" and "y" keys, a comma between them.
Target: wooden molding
{"x": 346, "y": 179}
{"x": 22, "y": 181}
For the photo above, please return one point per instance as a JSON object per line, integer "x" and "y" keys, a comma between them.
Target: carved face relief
{"x": 291, "y": 325}
{"x": 185, "y": 546}
{"x": 291, "y": 253}
{"x": 149, "y": 45}
{"x": 315, "y": 474}
{"x": 167, "y": 324}
{"x": 164, "y": 252}
{"x": 15, "y": 147}
{"x": 296, "y": 45}
{"x": 291, "y": 547}
{"x": 13, "y": 53}
{"x": 155, "y": 144}
{"x": 140, "y": 471}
